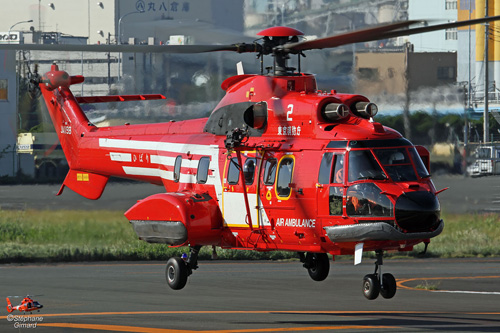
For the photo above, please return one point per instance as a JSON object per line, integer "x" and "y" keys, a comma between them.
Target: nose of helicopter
{"x": 417, "y": 211}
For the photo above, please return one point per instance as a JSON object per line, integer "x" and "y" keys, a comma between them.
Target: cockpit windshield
{"x": 397, "y": 163}
{"x": 362, "y": 165}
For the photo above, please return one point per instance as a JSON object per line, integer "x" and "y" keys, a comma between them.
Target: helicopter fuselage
{"x": 278, "y": 165}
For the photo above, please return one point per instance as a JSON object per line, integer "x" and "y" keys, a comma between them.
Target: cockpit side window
{"x": 338, "y": 170}
{"x": 327, "y": 175}
{"x": 419, "y": 164}
{"x": 363, "y": 165}
{"x": 324, "y": 168}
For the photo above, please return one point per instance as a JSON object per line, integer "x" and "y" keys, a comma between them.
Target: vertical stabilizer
{"x": 9, "y": 305}
{"x": 69, "y": 119}
{"x": 71, "y": 126}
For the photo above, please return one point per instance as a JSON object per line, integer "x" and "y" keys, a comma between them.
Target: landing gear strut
{"x": 378, "y": 283}
{"x": 178, "y": 269}
{"x": 317, "y": 264}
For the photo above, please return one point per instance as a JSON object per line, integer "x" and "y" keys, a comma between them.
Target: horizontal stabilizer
{"x": 118, "y": 98}
{"x": 88, "y": 185}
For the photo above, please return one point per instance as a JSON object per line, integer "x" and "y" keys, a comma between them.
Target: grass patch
{"x": 425, "y": 285}
{"x": 467, "y": 235}
{"x": 51, "y": 236}
{"x": 54, "y": 236}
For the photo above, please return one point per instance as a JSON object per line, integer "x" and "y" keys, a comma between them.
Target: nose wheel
{"x": 377, "y": 283}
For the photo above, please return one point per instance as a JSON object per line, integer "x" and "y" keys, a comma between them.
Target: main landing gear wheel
{"x": 389, "y": 286}
{"x": 317, "y": 264}
{"x": 176, "y": 273}
{"x": 373, "y": 285}
{"x": 178, "y": 269}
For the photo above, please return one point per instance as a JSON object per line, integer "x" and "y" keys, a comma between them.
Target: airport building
{"x": 8, "y": 114}
{"x": 472, "y": 46}
{"x": 435, "y": 12}
{"x": 197, "y": 77}
{"x": 97, "y": 22}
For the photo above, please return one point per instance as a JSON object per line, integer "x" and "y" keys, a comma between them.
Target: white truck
{"x": 487, "y": 161}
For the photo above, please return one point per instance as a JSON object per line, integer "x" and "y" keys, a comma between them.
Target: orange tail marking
{"x": 9, "y": 305}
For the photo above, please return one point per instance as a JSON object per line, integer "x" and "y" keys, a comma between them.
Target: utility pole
{"x": 109, "y": 63}
{"x": 406, "y": 108}
{"x": 486, "y": 115}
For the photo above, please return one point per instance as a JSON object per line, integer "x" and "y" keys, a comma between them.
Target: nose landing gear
{"x": 378, "y": 283}
{"x": 317, "y": 265}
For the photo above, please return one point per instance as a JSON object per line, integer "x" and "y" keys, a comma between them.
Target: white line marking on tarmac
{"x": 467, "y": 292}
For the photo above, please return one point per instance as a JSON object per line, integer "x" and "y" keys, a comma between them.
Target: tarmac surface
{"x": 255, "y": 297}
{"x": 252, "y": 296}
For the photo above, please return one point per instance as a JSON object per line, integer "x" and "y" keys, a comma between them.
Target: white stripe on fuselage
{"x": 156, "y": 146}
{"x": 204, "y": 150}
{"x": 170, "y": 161}
{"x": 233, "y": 213}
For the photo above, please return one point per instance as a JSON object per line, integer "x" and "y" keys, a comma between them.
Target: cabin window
{"x": 362, "y": 165}
{"x": 249, "y": 170}
{"x": 285, "y": 172}
{"x": 270, "y": 171}
{"x": 233, "y": 174}
{"x": 366, "y": 199}
{"x": 177, "y": 168}
{"x": 202, "y": 174}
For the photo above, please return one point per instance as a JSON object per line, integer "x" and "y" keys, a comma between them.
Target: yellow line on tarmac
{"x": 81, "y": 314}
{"x": 119, "y": 328}
{"x": 113, "y": 328}
{"x": 401, "y": 282}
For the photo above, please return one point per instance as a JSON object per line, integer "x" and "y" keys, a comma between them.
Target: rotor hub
{"x": 274, "y": 42}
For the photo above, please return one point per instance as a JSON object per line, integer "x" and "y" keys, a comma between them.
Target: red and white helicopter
{"x": 278, "y": 165}
{"x": 26, "y": 305}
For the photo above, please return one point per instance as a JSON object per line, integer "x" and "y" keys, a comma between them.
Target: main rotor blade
{"x": 357, "y": 36}
{"x": 121, "y": 48}
{"x": 380, "y": 32}
{"x": 443, "y": 26}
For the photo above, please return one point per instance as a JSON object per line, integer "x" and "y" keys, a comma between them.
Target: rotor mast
{"x": 274, "y": 42}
